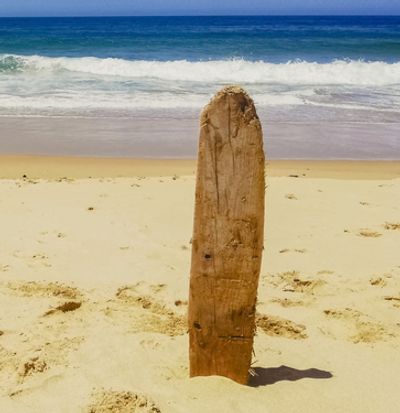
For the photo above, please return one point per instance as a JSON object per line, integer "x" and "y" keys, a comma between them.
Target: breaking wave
{"x": 339, "y": 72}
{"x": 59, "y": 85}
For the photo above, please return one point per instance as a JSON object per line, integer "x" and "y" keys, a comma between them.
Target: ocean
{"x": 318, "y": 82}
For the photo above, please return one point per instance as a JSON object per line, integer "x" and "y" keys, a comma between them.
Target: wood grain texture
{"x": 227, "y": 238}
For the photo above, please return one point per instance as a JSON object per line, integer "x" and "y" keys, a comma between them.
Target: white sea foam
{"x": 31, "y": 84}
{"x": 339, "y": 72}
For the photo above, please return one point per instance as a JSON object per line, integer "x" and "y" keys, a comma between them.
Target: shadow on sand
{"x": 265, "y": 376}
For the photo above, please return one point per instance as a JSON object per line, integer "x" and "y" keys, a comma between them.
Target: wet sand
{"x": 175, "y": 135}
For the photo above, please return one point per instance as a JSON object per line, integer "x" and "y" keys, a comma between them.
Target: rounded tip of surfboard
{"x": 230, "y": 101}
{"x": 233, "y": 90}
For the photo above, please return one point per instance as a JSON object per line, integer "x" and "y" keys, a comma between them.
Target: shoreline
{"x": 175, "y": 135}
{"x": 52, "y": 167}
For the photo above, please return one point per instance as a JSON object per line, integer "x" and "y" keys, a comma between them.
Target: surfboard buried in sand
{"x": 227, "y": 238}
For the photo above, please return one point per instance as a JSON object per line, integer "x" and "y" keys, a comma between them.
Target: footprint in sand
{"x": 370, "y": 332}
{"x": 43, "y": 289}
{"x": 17, "y": 367}
{"x": 121, "y": 402}
{"x": 359, "y": 328}
{"x": 150, "y": 314}
{"x": 52, "y": 340}
{"x": 290, "y": 281}
{"x": 368, "y": 233}
{"x": 280, "y": 327}
{"x": 392, "y": 226}
{"x": 31, "y": 366}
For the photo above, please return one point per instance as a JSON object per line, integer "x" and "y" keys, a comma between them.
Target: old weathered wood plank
{"x": 227, "y": 238}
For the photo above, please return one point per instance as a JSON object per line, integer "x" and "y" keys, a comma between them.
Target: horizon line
{"x": 199, "y": 15}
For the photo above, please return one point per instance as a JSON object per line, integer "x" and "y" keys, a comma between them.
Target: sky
{"x": 193, "y": 7}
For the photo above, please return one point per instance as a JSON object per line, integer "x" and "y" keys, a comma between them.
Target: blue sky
{"x": 190, "y": 7}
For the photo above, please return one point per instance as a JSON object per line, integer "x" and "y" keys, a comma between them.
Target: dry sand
{"x": 94, "y": 283}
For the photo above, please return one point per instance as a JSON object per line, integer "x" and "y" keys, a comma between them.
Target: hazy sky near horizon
{"x": 190, "y": 7}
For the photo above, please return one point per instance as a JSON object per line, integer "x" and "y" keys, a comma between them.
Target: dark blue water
{"x": 273, "y": 39}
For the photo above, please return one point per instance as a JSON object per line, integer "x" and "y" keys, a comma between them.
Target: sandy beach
{"x": 94, "y": 271}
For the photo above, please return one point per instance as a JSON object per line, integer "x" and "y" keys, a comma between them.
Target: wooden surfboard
{"x": 227, "y": 238}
